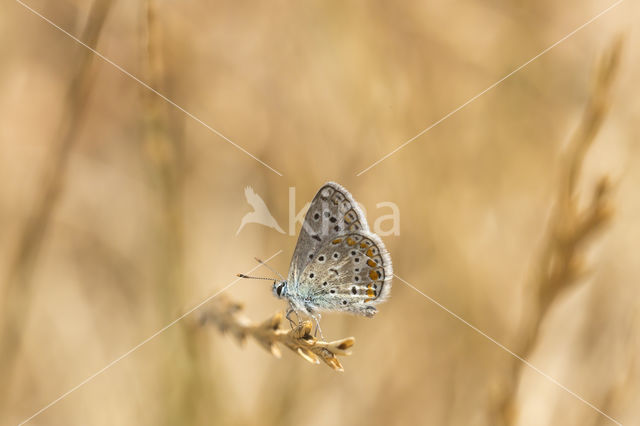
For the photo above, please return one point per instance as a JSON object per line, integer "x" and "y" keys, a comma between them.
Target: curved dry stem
{"x": 570, "y": 228}
{"x": 18, "y": 283}
{"x": 226, "y": 315}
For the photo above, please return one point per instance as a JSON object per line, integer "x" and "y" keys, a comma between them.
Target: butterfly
{"x": 338, "y": 264}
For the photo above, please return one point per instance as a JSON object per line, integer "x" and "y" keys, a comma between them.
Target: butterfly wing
{"x": 350, "y": 273}
{"x": 332, "y": 212}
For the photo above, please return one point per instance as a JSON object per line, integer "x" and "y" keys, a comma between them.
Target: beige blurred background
{"x": 118, "y": 212}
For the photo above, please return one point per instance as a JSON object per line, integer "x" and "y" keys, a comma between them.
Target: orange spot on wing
{"x": 336, "y": 241}
{"x": 373, "y": 275}
{"x": 363, "y": 244}
{"x": 371, "y": 293}
{"x": 370, "y": 253}
{"x": 372, "y": 263}
{"x": 351, "y": 241}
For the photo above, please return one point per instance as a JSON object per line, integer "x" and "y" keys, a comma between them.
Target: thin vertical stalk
{"x": 19, "y": 281}
{"x": 570, "y": 227}
{"x": 182, "y": 376}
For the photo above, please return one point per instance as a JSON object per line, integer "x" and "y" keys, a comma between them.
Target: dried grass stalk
{"x": 18, "y": 283}
{"x": 570, "y": 228}
{"x": 226, "y": 315}
{"x": 163, "y": 156}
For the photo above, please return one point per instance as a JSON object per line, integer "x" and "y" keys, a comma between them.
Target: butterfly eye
{"x": 279, "y": 289}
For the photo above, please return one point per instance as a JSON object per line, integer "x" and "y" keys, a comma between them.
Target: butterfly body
{"x": 338, "y": 264}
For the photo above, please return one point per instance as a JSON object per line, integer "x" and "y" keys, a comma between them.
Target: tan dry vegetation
{"x": 224, "y": 314}
{"x": 119, "y": 212}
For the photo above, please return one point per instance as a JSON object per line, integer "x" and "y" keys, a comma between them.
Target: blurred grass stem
{"x": 561, "y": 266}
{"x": 19, "y": 281}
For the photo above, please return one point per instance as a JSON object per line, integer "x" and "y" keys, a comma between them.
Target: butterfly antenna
{"x": 254, "y": 278}
{"x": 270, "y": 268}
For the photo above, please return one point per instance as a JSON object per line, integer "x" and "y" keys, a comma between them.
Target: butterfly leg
{"x": 288, "y": 316}
{"x": 316, "y": 319}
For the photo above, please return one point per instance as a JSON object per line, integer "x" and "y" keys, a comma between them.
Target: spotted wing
{"x": 350, "y": 273}
{"x": 332, "y": 212}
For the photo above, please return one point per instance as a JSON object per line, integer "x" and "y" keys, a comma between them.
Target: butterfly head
{"x": 280, "y": 289}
